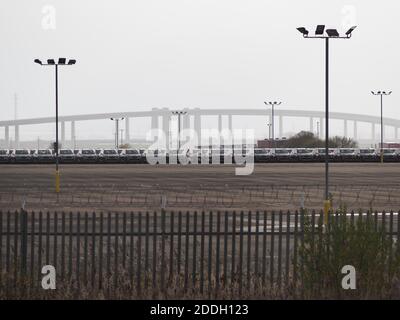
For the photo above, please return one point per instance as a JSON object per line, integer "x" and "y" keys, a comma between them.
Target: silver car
{"x": 21, "y": 156}
{"x": 4, "y": 156}
{"x": 87, "y": 155}
{"x": 43, "y": 156}
{"x": 66, "y": 156}
{"x": 109, "y": 155}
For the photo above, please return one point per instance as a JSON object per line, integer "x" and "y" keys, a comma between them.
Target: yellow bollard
{"x": 381, "y": 157}
{"x": 327, "y": 207}
{"x": 57, "y": 181}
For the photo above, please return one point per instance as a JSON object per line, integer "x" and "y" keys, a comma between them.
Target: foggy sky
{"x": 137, "y": 54}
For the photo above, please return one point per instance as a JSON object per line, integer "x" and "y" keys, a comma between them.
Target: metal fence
{"x": 203, "y": 251}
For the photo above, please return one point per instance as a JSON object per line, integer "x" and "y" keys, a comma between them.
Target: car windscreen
{"x": 366, "y": 151}
{"x": 346, "y": 151}
{"x": 66, "y": 152}
{"x": 22, "y": 152}
{"x": 260, "y": 151}
{"x": 284, "y": 151}
{"x": 88, "y": 152}
{"x": 3, "y": 152}
{"x": 389, "y": 151}
{"x": 44, "y": 152}
{"x": 302, "y": 151}
{"x": 132, "y": 152}
{"x": 110, "y": 152}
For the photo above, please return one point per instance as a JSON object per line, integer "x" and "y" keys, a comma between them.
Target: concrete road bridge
{"x": 160, "y": 119}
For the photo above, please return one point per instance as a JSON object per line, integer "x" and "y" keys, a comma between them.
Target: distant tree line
{"x": 305, "y": 139}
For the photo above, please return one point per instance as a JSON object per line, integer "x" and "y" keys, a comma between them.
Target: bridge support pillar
{"x": 321, "y": 128}
{"x": 73, "y": 136}
{"x": 154, "y": 119}
{"x": 7, "y": 136}
{"x": 127, "y": 135}
{"x": 355, "y": 131}
{"x": 17, "y": 136}
{"x": 280, "y": 126}
{"x": 396, "y": 133}
{"x": 165, "y": 126}
{"x": 230, "y": 124}
{"x": 311, "y": 124}
{"x": 197, "y": 124}
{"x": 373, "y": 131}
{"x": 345, "y": 128}
{"x": 62, "y": 134}
{"x": 186, "y": 120}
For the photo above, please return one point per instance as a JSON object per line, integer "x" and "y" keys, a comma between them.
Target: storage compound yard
{"x": 141, "y": 187}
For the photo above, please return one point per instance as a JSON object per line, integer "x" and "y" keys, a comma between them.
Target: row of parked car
{"x": 70, "y": 156}
{"x": 318, "y": 154}
{"x": 223, "y": 154}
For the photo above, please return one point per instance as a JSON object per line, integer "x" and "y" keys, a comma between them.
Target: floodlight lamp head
{"x": 349, "y": 32}
{"x": 71, "y": 62}
{"x": 320, "y": 30}
{"x": 332, "y": 33}
{"x": 38, "y": 61}
{"x": 51, "y": 61}
{"x": 303, "y": 31}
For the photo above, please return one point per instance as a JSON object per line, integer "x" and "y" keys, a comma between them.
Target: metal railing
{"x": 201, "y": 251}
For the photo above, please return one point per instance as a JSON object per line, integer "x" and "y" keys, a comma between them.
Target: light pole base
{"x": 381, "y": 157}
{"x": 327, "y": 208}
{"x": 57, "y": 181}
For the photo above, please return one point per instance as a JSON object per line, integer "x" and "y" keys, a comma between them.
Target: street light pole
{"x": 61, "y": 62}
{"x": 331, "y": 34}
{"x": 116, "y": 138}
{"x": 381, "y": 94}
{"x": 273, "y": 104}
{"x": 179, "y": 113}
{"x": 327, "y": 202}
{"x": 269, "y": 131}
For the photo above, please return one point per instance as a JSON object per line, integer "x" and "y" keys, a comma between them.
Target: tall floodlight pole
{"x": 269, "y": 131}
{"x": 117, "y": 120}
{"x": 272, "y": 104}
{"x": 381, "y": 93}
{"x": 331, "y": 34}
{"x": 60, "y": 62}
{"x": 179, "y": 113}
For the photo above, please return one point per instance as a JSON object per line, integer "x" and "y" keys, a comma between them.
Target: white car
{"x": 21, "y": 155}
{"x": 283, "y": 152}
{"x": 109, "y": 155}
{"x": 332, "y": 151}
{"x": 305, "y": 152}
{"x": 66, "y": 156}
{"x": 4, "y": 156}
{"x": 43, "y": 156}
{"x": 87, "y": 155}
{"x": 131, "y": 155}
{"x": 390, "y": 152}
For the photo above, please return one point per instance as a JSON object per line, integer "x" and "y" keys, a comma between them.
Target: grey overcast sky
{"x": 137, "y": 54}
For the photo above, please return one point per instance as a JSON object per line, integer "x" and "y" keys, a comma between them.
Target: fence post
{"x": 24, "y": 240}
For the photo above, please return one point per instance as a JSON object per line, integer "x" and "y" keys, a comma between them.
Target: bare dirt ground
{"x": 273, "y": 186}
